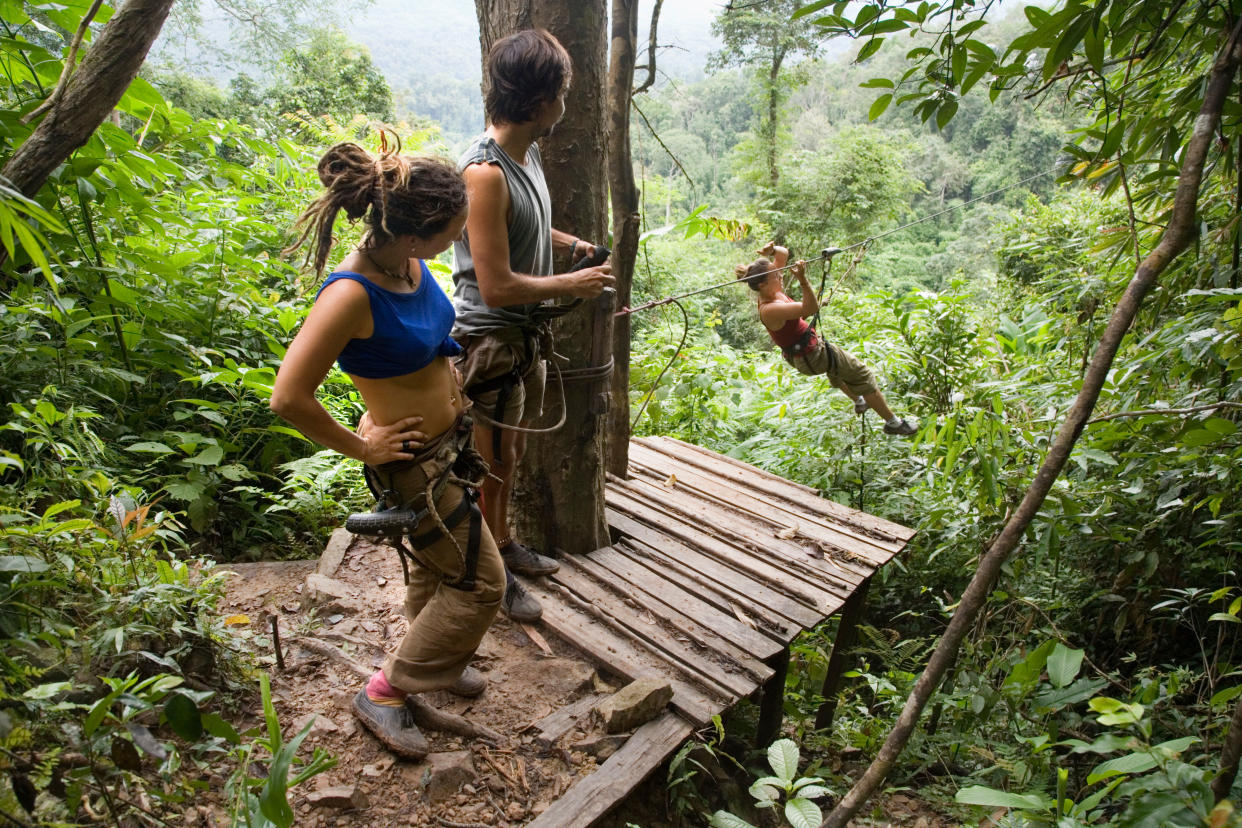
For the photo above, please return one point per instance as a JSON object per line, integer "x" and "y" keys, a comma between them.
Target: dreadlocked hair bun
{"x": 394, "y": 194}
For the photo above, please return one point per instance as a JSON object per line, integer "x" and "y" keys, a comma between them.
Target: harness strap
{"x": 466, "y": 506}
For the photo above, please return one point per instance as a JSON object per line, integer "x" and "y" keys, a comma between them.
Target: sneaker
{"x": 469, "y": 684}
{"x": 860, "y": 406}
{"x": 902, "y": 427}
{"x": 393, "y": 726}
{"x": 525, "y": 561}
{"x": 519, "y": 604}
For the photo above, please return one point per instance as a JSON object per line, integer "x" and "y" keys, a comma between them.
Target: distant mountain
{"x": 435, "y": 37}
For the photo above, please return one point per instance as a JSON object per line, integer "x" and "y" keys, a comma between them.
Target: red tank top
{"x": 794, "y": 332}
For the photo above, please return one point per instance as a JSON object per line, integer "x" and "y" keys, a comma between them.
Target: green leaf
{"x": 810, "y": 8}
{"x": 783, "y": 757}
{"x": 150, "y": 447}
{"x": 803, "y": 813}
{"x": 724, "y": 819}
{"x": 1064, "y": 664}
{"x": 946, "y": 113}
{"x": 1130, "y": 763}
{"x": 185, "y": 490}
{"x": 878, "y": 106}
{"x": 210, "y": 456}
{"x": 184, "y": 717}
{"x": 869, "y": 48}
{"x": 100, "y": 709}
{"x": 992, "y": 798}
{"x": 22, "y": 563}
{"x": 221, "y": 729}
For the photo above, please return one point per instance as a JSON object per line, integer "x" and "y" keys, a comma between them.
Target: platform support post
{"x": 772, "y": 705}
{"x": 847, "y": 634}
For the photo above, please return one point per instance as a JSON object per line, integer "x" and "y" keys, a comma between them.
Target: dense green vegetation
{"x": 146, "y": 307}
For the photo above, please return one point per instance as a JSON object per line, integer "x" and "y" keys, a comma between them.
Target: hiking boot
{"x": 469, "y": 684}
{"x": 394, "y": 726}
{"x": 519, "y": 604}
{"x": 525, "y": 561}
{"x": 860, "y": 406}
{"x": 902, "y": 427}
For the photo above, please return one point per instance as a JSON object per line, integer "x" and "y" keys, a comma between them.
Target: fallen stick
{"x": 424, "y": 714}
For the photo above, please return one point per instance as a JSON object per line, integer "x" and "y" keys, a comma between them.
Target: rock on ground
{"x": 635, "y": 704}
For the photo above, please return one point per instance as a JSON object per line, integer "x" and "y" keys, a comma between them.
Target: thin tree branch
{"x": 1174, "y": 240}
{"x": 1146, "y": 411}
{"x": 70, "y": 64}
{"x": 656, "y": 136}
{"x": 651, "y": 50}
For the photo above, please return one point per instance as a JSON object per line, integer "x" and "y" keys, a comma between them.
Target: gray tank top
{"x": 530, "y": 239}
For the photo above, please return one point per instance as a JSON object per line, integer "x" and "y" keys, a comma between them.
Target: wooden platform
{"x": 715, "y": 566}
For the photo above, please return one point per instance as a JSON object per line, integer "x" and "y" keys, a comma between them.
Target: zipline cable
{"x": 828, "y": 252}
{"x": 826, "y": 255}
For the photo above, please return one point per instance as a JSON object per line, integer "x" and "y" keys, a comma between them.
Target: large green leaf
{"x": 992, "y": 798}
{"x": 783, "y": 757}
{"x": 1064, "y": 664}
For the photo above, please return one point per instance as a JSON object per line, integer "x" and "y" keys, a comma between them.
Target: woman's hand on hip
{"x": 384, "y": 444}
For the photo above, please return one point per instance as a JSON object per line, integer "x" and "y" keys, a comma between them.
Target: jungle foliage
{"x": 146, "y": 307}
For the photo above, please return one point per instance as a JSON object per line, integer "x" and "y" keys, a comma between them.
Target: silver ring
{"x": 405, "y": 446}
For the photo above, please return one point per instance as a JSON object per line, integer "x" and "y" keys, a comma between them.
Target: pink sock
{"x": 381, "y": 692}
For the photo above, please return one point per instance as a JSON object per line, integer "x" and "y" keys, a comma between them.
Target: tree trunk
{"x": 1176, "y": 237}
{"x": 625, "y": 221}
{"x": 90, "y": 94}
{"x": 1229, "y": 756}
{"x": 774, "y": 105}
{"x": 559, "y": 491}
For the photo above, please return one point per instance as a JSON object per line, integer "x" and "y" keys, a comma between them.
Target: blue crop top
{"x": 411, "y": 329}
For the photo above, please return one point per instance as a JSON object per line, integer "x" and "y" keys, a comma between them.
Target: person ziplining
{"x": 784, "y": 318}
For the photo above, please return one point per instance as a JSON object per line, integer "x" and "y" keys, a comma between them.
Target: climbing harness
{"x": 539, "y": 329}
{"x": 396, "y": 520}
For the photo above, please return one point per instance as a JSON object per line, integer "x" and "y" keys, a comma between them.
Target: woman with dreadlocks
{"x": 382, "y": 316}
{"x": 785, "y": 321}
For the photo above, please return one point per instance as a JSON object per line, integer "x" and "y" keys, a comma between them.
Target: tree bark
{"x": 1176, "y": 237}
{"x": 90, "y": 93}
{"x": 559, "y": 490}
{"x": 774, "y": 76}
{"x": 626, "y": 221}
{"x": 1229, "y": 756}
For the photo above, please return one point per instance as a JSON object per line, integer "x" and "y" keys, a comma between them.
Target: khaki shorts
{"x": 495, "y": 354}
{"x": 844, "y": 370}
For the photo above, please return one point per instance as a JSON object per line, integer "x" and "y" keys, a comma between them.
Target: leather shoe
{"x": 519, "y": 604}
{"x": 469, "y": 684}
{"x": 394, "y": 726}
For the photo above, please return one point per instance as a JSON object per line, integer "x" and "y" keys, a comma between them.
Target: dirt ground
{"x": 465, "y": 782}
{"x": 505, "y": 784}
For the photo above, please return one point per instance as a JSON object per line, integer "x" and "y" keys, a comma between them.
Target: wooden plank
{"x": 593, "y": 796}
{"x": 557, "y": 724}
{"x": 747, "y": 475}
{"x": 677, "y": 609}
{"x": 747, "y": 536}
{"x": 816, "y": 541}
{"x": 813, "y": 597}
{"x": 778, "y": 512}
{"x": 620, "y": 655}
{"x": 658, "y": 583}
{"x": 716, "y": 586}
{"x": 704, "y": 671}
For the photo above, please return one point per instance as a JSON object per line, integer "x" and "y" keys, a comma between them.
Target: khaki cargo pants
{"x": 446, "y": 622}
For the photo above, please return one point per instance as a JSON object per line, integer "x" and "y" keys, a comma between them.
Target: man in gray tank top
{"x": 502, "y": 275}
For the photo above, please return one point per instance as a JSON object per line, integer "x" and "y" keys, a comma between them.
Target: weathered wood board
{"x": 714, "y": 568}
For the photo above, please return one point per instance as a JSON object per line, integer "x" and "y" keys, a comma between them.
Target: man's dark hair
{"x": 525, "y": 70}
